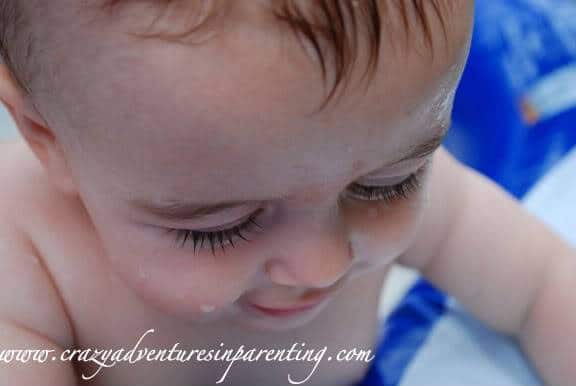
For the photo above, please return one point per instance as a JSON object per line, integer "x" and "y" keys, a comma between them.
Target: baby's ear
{"x": 35, "y": 131}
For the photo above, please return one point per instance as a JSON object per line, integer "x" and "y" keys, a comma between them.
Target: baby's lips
{"x": 308, "y": 298}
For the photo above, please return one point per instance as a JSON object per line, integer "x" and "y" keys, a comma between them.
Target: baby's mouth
{"x": 307, "y": 301}
{"x": 290, "y": 310}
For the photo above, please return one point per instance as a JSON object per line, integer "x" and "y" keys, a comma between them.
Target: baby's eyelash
{"x": 222, "y": 237}
{"x": 402, "y": 191}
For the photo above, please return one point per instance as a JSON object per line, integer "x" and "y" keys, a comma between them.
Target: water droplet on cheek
{"x": 142, "y": 274}
{"x": 206, "y": 308}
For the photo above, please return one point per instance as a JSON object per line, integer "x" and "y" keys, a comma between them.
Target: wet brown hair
{"x": 331, "y": 26}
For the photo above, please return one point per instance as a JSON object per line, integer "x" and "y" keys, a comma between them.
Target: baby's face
{"x": 214, "y": 188}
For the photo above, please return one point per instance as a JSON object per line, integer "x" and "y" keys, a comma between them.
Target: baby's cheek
{"x": 380, "y": 232}
{"x": 189, "y": 287}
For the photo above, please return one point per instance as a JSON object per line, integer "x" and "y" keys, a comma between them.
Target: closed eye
{"x": 222, "y": 238}
{"x": 226, "y": 237}
{"x": 388, "y": 194}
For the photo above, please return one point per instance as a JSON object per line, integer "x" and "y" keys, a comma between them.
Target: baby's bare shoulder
{"x": 21, "y": 177}
{"x": 28, "y": 294}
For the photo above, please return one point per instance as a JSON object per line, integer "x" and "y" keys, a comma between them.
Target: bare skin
{"x": 229, "y": 121}
{"x": 91, "y": 308}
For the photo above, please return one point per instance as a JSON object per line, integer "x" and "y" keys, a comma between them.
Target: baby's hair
{"x": 331, "y": 26}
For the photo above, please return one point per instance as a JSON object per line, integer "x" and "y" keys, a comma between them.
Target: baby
{"x": 184, "y": 170}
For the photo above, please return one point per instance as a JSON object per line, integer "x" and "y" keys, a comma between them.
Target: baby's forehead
{"x": 240, "y": 103}
{"x": 121, "y": 28}
{"x": 332, "y": 30}
{"x": 116, "y": 88}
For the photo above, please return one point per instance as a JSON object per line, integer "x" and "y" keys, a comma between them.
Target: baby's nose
{"x": 315, "y": 258}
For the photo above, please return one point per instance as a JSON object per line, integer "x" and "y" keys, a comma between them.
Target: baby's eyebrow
{"x": 178, "y": 210}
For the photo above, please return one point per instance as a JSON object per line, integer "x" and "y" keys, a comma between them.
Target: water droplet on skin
{"x": 142, "y": 273}
{"x": 207, "y": 308}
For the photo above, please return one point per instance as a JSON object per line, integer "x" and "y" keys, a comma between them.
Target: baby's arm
{"x": 31, "y": 317}
{"x": 505, "y": 266}
{"x": 52, "y": 373}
